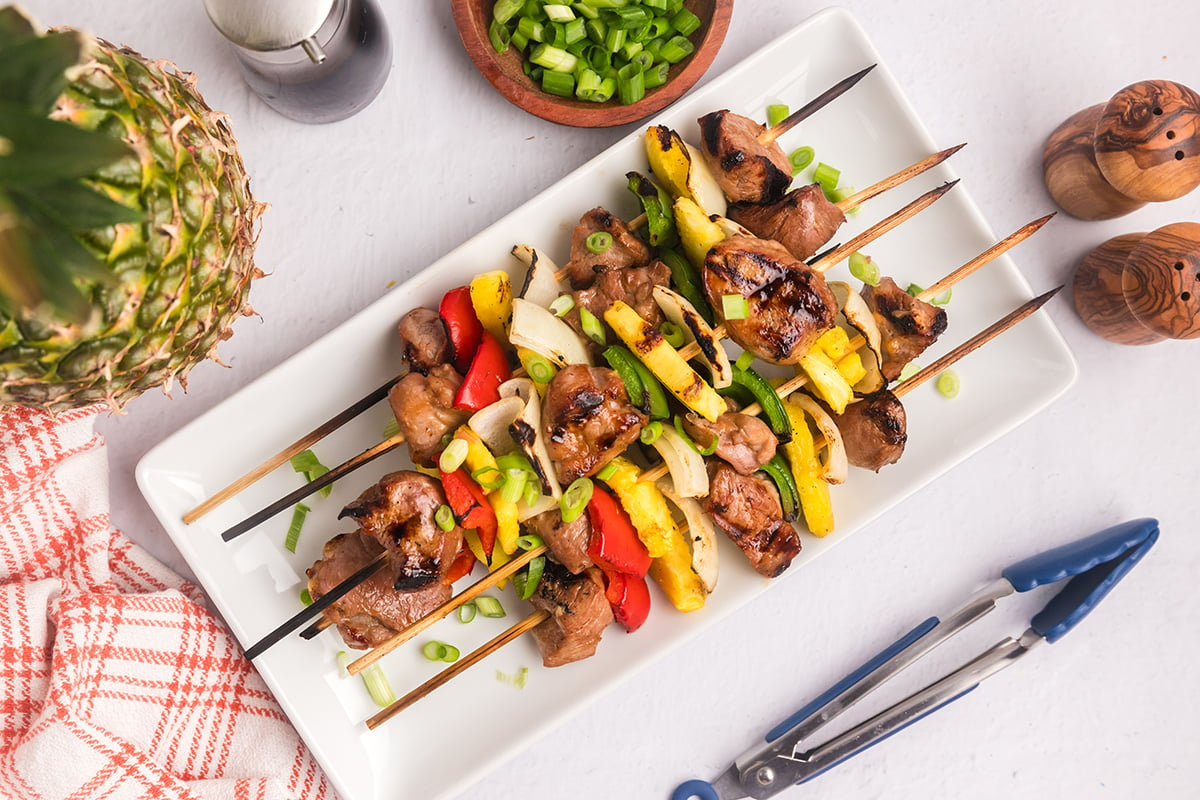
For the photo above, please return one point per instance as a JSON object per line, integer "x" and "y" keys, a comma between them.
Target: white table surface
{"x": 1108, "y": 712}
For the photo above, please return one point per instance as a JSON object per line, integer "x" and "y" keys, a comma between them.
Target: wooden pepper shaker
{"x": 1142, "y": 146}
{"x": 1142, "y": 288}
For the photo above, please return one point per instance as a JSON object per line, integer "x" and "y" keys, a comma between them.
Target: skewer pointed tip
{"x": 1045, "y": 297}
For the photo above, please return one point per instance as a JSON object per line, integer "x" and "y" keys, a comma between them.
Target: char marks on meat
{"x": 587, "y": 419}
{"x": 790, "y": 304}
{"x": 398, "y": 513}
{"x": 633, "y": 285}
{"x": 373, "y": 611}
{"x": 874, "y": 429}
{"x": 747, "y": 508}
{"x": 626, "y": 250}
{"x": 908, "y": 324}
{"x": 803, "y": 221}
{"x": 747, "y": 170}
{"x": 744, "y": 441}
{"x": 426, "y": 344}
{"x": 424, "y": 409}
{"x": 578, "y": 610}
{"x": 568, "y": 541}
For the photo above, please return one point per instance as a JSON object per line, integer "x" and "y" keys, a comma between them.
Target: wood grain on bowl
{"x": 504, "y": 70}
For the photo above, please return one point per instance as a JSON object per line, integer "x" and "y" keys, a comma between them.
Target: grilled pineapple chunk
{"x": 644, "y": 340}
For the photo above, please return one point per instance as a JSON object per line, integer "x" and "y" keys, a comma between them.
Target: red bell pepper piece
{"x": 488, "y": 370}
{"x": 629, "y": 598}
{"x": 462, "y": 326}
{"x": 461, "y": 566}
{"x": 471, "y": 507}
{"x": 615, "y": 545}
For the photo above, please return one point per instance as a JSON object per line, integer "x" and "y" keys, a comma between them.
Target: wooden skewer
{"x": 300, "y": 445}
{"x": 529, "y": 623}
{"x": 312, "y": 630}
{"x": 534, "y": 619}
{"x": 325, "y": 601}
{"x": 812, "y": 106}
{"x": 444, "y": 610}
{"x": 290, "y": 499}
{"x": 891, "y": 181}
{"x": 835, "y": 256}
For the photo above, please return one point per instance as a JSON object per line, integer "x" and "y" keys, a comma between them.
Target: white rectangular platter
{"x": 254, "y": 582}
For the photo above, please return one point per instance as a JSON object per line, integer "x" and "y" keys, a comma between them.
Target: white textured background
{"x": 1109, "y": 712}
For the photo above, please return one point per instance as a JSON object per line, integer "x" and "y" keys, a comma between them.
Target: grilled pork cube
{"x": 747, "y": 170}
{"x": 632, "y": 285}
{"x": 398, "y": 513}
{"x": 626, "y": 250}
{"x": 424, "y": 409}
{"x": 372, "y": 612}
{"x": 426, "y": 344}
{"x": 908, "y": 325}
{"x": 587, "y": 419}
{"x": 803, "y": 221}
{"x": 744, "y": 441}
{"x": 578, "y": 610}
{"x": 747, "y": 508}
{"x": 790, "y": 305}
{"x": 874, "y": 429}
{"x": 568, "y": 541}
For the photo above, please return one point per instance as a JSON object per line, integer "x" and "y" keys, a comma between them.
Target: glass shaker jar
{"x": 311, "y": 60}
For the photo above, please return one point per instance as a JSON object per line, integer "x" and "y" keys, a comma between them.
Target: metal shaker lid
{"x": 268, "y": 24}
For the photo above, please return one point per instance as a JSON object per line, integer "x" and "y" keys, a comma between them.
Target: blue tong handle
{"x": 1093, "y": 564}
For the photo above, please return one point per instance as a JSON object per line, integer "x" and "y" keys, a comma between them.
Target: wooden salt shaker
{"x": 1142, "y": 146}
{"x": 1142, "y": 288}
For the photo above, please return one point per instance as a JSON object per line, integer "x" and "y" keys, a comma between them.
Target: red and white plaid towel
{"x": 115, "y": 681}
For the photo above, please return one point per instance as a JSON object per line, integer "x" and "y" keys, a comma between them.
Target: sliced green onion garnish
{"x": 530, "y": 541}
{"x": 863, "y": 268}
{"x": 943, "y": 298}
{"x": 561, "y": 84}
{"x": 907, "y": 371}
{"x": 685, "y": 22}
{"x": 514, "y": 485}
{"x": 450, "y": 655}
{"x": 293, "y": 534}
{"x": 592, "y": 326}
{"x": 914, "y": 289}
{"x": 444, "y": 517}
{"x": 311, "y": 467}
{"x": 744, "y": 360}
{"x": 539, "y": 368}
{"x": 800, "y": 158}
{"x": 378, "y": 686}
{"x": 527, "y": 580}
{"x": 776, "y": 113}
{"x": 488, "y": 477}
{"x": 842, "y": 193}
{"x": 607, "y": 471}
{"x": 734, "y": 306}
{"x": 558, "y": 13}
{"x": 453, "y": 456}
{"x": 651, "y": 432}
{"x": 467, "y": 611}
{"x": 598, "y": 242}
{"x": 827, "y": 176}
{"x": 562, "y": 304}
{"x": 433, "y": 650}
{"x": 533, "y": 492}
{"x": 489, "y": 606}
{"x": 305, "y": 597}
{"x": 517, "y": 680}
{"x": 673, "y": 334}
{"x": 392, "y": 428}
{"x": 948, "y": 384}
{"x": 575, "y": 499}
{"x": 343, "y": 664}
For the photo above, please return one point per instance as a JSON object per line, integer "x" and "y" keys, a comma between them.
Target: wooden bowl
{"x": 504, "y": 70}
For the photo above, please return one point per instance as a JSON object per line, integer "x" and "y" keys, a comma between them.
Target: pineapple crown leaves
{"x": 44, "y": 199}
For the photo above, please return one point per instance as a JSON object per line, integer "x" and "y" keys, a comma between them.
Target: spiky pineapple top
{"x": 144, "y": 272}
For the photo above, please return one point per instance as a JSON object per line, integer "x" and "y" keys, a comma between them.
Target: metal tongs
{"x": 1093, "y": 565}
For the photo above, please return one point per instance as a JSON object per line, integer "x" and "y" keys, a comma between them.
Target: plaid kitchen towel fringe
{"x": 115, "y": 681}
